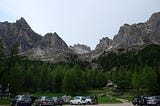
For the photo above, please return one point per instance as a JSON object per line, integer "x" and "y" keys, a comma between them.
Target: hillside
{"x": 131, "y": 60}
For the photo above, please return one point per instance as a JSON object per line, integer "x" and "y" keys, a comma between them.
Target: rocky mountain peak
{"x": 104, "y": 44}
{"x": 140, "y": 34}
{"x": 21, "y": 20}
{"x": 133, "y": 37}
{"x": 20, "y": 33}
{"x": 22, "y": 23}
{"x": 54, "y": 41}
{"x": 30, "y": 43}
{"x": 52, "y": 35}
{"x": 154, "y": 23}
{"x": 80, "y": 48}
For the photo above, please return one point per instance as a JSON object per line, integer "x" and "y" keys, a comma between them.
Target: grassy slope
{"x": 5, "y": 101}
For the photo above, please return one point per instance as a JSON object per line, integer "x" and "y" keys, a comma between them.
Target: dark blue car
{"x": 21, "y": 100}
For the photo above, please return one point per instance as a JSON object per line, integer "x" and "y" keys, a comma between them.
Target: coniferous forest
{"x": 139, "y": 71}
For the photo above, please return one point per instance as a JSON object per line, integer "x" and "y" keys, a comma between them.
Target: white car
{"x": 88, "y": 100}
{"x": 78, "y": 100}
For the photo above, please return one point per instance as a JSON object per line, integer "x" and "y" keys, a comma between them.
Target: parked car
{"x": 44, "y": 101}
{"x": 91, "y": 99}
{"x": 135, "y": 101}
{"x": 33, "y": 98}
{"x": 58, "y": 101}
{"x": 21, "y": 100}
{"x": 88, "y": 99}
{"x": 140, "y": 100}
{"x": 153, "y": 101}
{"x": 78, "y": 100}
{"x": 94, "y": 99}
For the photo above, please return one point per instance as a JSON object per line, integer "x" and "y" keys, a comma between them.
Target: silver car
{"x": 153, "y": 101}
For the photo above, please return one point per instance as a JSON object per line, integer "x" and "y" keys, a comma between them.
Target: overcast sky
{"x": 78, "y": 21}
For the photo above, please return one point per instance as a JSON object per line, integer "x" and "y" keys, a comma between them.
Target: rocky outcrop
{"x": 52, "y": 48}
{"x": 30, "y": 43}
{"x": 130, "y": 36}
{"x": 105, "y": 43}
{"x": 53, "y": 41}
{"x": 80, "y": 49}
{"x": 154, "y": 23}
{"x": 20, "y": 33}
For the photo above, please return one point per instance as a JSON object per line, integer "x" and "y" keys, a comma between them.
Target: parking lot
{"x": 122, "y": 104}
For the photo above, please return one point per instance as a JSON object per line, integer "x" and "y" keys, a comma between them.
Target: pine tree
{"x": 149, "y": 77}
{"x": 73, "y": 82}
{"x": 44, "y": 78}
{"x": 100, "y": 80}
{"x": 29, "y": 80}
{"x": 16, "y": 77}
{"x": 57, "y": 76}
{"x": 66, "y": 84}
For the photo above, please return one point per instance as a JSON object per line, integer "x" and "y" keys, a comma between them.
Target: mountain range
{"x": 51, "y": 47}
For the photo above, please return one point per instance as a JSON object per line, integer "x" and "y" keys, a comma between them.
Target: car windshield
{"x": 83, "y": 98}
{"x": 87, "y": 97}
{"x": 157, "y": 97}
{"x": 44, "y": 97}
{"x": 55, "y": 98}
{"x": 17, "y": 97}
{"x": 77, "y": 97}
{"x": 25, "y": 97}
{"x": 150, "y": 97}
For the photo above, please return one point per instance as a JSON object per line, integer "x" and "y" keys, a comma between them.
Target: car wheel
{"x": 79, "y": 103}
{"x": 88, "y": 102}
{"x": 158, "y": 104}
{"x": 134, "y": 103}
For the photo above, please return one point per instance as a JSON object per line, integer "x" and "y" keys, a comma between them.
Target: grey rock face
{"x": 22, "y": 24}
{"x": 129, "y": 35}
{"x": 154, "y": 23}
{"x": 29, "y": 41}
{"x": 104, "y": 44}
{"x": 154, "y": 28}
{"x": 52, "y": 48}
{"x": 53, "y": 41}
{"x": 130, "y": 38}
{"x": 20, "y": 33}
{"x": 139, "y": 34}
{"x": 80, "y": 49}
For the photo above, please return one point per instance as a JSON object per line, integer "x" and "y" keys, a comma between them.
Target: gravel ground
{"x": 122, "y": 104}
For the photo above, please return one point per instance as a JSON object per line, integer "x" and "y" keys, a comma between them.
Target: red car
{"x": 44, "y": 101}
